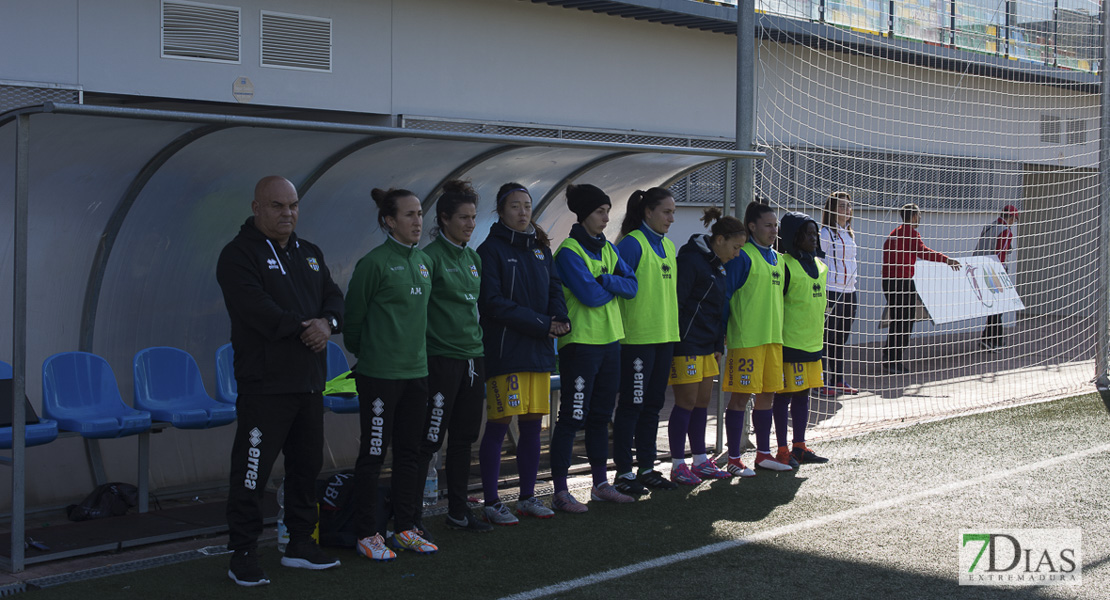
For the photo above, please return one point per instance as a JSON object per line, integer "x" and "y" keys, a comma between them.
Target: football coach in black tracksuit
{"x": 283, "y": 306}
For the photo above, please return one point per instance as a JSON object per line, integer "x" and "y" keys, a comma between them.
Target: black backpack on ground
{"x": 107, "y": 500}
{"x": 336, "y": 498}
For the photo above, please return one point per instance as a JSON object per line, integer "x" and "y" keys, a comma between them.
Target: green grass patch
{"x": 905, "y": 551}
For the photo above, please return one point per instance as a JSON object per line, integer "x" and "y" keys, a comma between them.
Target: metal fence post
{"x": 745, "y": 101}
{"x": 19, "y": 339}
{"x": 1102, "y": 368}
{"x": 745, "y": 132}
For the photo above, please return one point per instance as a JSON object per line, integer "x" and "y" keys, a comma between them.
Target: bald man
{"x": 283, "y": 306}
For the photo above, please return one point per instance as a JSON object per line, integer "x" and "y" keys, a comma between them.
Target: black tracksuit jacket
{"x": 269, "y": 291}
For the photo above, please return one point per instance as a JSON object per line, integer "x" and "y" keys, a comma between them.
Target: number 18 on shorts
{"x": 518, "y": 394}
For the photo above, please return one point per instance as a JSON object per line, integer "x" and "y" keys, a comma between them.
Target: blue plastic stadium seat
{"x": 36, "y": 434}
{"x": 168, "y": 385}
{"x": 227, "y": 389}
{"x": 338, "y": 365}
{"x": 43, "y": 432}
{"x": 80, "y": 392}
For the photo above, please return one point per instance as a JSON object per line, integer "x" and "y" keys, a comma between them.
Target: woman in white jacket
{"x": 839, "y": 244}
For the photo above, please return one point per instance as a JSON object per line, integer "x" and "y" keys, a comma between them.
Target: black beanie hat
{"x": 584, "y": 199}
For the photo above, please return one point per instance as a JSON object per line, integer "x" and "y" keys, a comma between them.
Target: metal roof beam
{"x": 389, "y": 132}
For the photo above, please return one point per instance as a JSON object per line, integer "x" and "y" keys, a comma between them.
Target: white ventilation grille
{"x": 1050, "y": 129}
{"x": 1077, "y": 131}
{"x": 195, "y": 31}
{"x": 296, "y": 42}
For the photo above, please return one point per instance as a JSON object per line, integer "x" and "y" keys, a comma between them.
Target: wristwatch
{"x": 334, "y": 324}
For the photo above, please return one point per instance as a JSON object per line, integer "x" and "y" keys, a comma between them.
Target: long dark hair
{"x": 503, "y": 194}
{"x": 387, "y": 203}
{"x": 722, "y": 226}
{"x": 640, "y": 202}
{"x": 832, "y": 209}
{"x": 756, "y": 209}
{"x": 456, "y": 192}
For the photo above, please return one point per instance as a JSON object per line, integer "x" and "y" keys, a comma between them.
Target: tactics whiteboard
{"x": 980, "y": 288}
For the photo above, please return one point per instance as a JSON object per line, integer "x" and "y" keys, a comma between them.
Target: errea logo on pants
{"x": 377, "y": 427}
{"x": 579, "y": 398}
{"x": 637, "y": 381}
{"x": 437, "y": 418}
{"x": 253, "y": 454}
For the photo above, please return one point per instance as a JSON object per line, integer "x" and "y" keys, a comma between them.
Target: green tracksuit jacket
{"x": 387, "y": 312}
{"x": 453, "y": 330}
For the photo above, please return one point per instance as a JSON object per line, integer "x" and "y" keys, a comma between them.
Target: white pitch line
{"x": 796, "y": 527}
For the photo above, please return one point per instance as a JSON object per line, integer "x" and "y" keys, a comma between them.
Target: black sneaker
{"x": 655, "y": 480}
{"x": 467, "y": 523}
{"x": 305, "y": 554}
{"x": 245, "y": 570}
{"x": 627, "y": 485}
{"x": 807, "y": 456}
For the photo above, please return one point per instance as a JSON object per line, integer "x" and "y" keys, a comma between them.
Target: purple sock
{"x": 761, "y": 420}
{"x": 734, "y": 429}
{"x": 559, "y": 483}
{"x": 489, "y": 459}
{"x": 698, "y": 417}
{"x": 799, "y": 412}
{"x": 676, "y": 431}
{"x": 781, "y": 412}
{"x": 599, "y": 474}
{"x": 528, "y": 456}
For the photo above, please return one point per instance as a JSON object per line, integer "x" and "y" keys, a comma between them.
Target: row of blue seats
{"x": 227, "y": 390}
{"x": 80, "y": 394}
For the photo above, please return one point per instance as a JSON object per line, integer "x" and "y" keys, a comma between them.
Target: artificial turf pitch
{"x": 881, "y": 520}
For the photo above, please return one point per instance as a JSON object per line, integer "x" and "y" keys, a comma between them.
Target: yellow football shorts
{"x": 518, "y": 394}
{"x": 802, "y": 376}
{"x": 692, "y": 369}
{"x": 755, "y": 370}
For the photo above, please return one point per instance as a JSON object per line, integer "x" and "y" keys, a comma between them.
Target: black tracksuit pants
{"x": 456, "y": 404}
{"x": 645, "y": 369}
{"x": 992, "y": 333}
{"x": 901, "y": 300}
{"x": 292, "y": 424}
{"x": 838, "y": 326}
{"x": 590, "y": 376}
{"x": 391, "y": 411}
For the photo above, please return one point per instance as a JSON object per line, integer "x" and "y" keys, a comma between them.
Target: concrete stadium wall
{"x": 480, "y": 59}
{"x": 920, "y": 110}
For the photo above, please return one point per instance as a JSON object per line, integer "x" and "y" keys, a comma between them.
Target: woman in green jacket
{"x": 387, "y": 301}
{"x": 456, "y": 370}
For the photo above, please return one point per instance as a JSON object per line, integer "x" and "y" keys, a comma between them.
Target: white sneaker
{"x": 499, "y": 514}
{"x": 374, "y": 548}
{"x": 738, "y": 468}
{"x": 533, "y": 507}
{"x": 608, "y": 493}
{"x": 766, "y": 461}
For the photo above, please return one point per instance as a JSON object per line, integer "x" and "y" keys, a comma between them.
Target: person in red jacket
{"x": 902, "y": 249}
